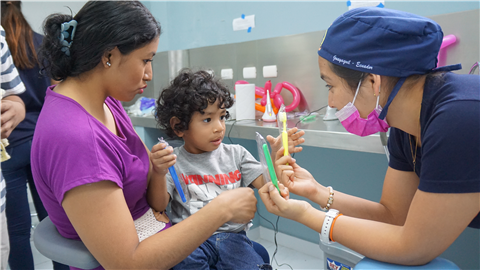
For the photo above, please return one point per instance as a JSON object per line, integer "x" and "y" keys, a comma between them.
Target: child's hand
{"x": 162, "y": 158}
{"x": 294, "y": 139}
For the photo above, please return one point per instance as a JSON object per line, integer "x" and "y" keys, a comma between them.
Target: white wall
{"x": 36, "y": 11}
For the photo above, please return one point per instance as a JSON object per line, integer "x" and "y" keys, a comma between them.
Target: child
{"x": 193, "y": 108}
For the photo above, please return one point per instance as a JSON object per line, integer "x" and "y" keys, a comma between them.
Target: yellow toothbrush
{"x": 282, "y": 116}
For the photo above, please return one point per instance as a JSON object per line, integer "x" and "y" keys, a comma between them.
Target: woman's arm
{"x": 101, "y": 218}
{"x": 398, "y": 190}
{"x": 432, "y": 222}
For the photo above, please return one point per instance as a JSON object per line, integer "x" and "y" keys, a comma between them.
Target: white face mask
{"x": 355, "y": 124}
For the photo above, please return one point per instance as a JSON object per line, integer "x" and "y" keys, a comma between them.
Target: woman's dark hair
{"x": 189, "y": 92}
{"x": 350, "y": 76}
{"x": 102, "y": 26}
{"x": 19, "y": 35}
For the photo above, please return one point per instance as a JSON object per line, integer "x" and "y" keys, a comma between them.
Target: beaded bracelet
{"x": 329, "y": 201}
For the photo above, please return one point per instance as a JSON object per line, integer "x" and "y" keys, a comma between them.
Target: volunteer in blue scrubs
{"x": 380, "y": 68}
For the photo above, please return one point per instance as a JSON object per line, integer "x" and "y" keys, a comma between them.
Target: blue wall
{"x": 188, "y": 25}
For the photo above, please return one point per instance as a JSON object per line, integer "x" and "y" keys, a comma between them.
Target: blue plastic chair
{"x": 337, "y": 255}
{"x": 437, "y": 263}
{"x": 54, "y": 246}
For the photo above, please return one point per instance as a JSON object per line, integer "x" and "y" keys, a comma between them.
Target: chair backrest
{"x": 54, "y": 246}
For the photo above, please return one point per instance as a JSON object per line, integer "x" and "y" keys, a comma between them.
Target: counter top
{"x": 318, "y": 133}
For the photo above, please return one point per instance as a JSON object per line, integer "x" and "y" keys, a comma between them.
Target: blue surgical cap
{"x": 384, "y": 42}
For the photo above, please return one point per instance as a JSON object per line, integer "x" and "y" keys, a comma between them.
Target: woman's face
{"x": 340, "y": 94}
{"x": 130, "y": 73}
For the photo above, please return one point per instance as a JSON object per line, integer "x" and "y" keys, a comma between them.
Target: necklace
{"x": 414, "y": 156}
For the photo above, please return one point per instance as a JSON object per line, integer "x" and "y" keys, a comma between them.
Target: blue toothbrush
{"x": 174, "y": 175}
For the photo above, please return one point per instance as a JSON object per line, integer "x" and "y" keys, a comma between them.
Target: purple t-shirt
{"x": 71, "y": 148}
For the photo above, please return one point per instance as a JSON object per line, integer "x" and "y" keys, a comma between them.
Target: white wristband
{"x": 327, "y": 225}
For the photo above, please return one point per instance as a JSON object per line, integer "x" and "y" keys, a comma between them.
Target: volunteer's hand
{"x": 162, "y": 158}
{"x": 298, "y": 180}
{"x": 240, "y": 202}
{"x": 294, "y": 139}
{"x": 13, "y": 112}
{"x": 280, "y": 206}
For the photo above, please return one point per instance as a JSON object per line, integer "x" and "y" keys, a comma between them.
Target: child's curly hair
{"x": 189, "y": 92}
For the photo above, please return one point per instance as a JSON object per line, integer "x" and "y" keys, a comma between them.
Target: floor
{"x": 287, "y": 258}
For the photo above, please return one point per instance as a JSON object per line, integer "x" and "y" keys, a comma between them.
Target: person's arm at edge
{"x": 16, "y": 113}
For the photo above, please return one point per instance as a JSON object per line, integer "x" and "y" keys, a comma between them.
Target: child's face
{"x": 205, "y": 131}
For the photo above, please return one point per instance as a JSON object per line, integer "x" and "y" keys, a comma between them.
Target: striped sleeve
{"x": 10, "y": 80}
{"x": 3, "y": 191}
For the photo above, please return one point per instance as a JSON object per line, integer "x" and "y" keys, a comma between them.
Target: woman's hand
{"x": 298, "y": 180}
{"x": 294, "y": 139}
{"x": 162, "y": 158}
{"x": 240, "y": 202}
{"x": 282, "y": 206}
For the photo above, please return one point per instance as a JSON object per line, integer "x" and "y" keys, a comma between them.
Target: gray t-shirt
{"x": 207, "y": 175}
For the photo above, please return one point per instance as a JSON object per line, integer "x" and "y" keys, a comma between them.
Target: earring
{"x": 108, "y": 64}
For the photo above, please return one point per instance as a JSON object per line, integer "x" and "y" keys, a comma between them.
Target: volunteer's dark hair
{"x": 102, "y": 26}
{"x": 352, "y": 77}
{"x": 19, "y": 35}
{"x": 188, "y": 93}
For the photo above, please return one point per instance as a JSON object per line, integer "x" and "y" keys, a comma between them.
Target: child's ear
{"x": 174, "y": 121}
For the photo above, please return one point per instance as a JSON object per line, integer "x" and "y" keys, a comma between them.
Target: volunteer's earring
{"x": 108, "y": 64}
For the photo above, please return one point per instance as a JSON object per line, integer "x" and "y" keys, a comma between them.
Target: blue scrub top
{"x": 449, "y": 159}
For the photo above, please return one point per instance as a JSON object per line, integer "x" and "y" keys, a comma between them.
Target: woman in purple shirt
{"x": 90, "y": 167}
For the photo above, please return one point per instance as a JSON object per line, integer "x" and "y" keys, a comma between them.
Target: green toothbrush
{"x": 271, "y": 170}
